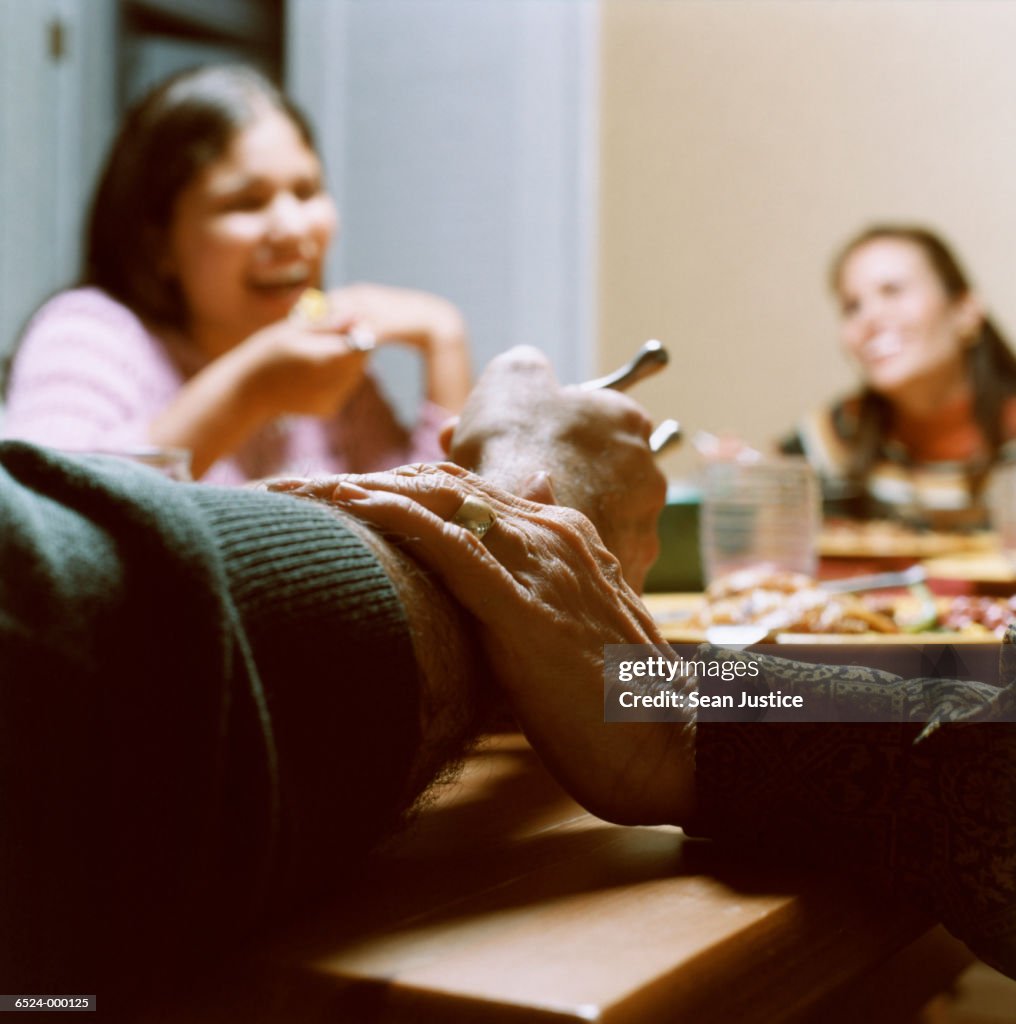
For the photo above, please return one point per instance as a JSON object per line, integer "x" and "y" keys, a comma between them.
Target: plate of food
{"x": 763, "y": 606}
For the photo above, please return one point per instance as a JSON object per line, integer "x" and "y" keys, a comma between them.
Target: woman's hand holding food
{"x": 298, "y": 368}
{"x": 426, "y": 322}
{"x": 288, "y": 368}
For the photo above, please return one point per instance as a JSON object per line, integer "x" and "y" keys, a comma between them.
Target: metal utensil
{"x": 666, "y": 434}
{"x": 876, "y": 581}
{"x": 924, "y": 616}
{"x": 650, "y": 358}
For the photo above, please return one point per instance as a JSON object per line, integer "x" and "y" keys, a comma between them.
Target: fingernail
{"x": 349, "y": 492}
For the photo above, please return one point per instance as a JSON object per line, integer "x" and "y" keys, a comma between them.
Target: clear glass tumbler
{"x": 759, "y": 514}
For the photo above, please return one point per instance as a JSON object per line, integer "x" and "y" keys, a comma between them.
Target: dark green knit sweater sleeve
{"x": 204, "y": 696}
{"x": 331, "y": 643}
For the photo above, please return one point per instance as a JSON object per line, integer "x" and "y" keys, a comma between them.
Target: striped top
{"x": 937, "y": 477}
{"x": 89, "y": 374}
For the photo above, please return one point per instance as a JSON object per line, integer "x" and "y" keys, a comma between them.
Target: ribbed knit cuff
{"x": 291, "y": 563}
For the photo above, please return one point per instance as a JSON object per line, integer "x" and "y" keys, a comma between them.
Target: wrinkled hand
{"x": 591, "y": 444}
{"x": 547, "y": 596}
{"x": 292, "y": 367}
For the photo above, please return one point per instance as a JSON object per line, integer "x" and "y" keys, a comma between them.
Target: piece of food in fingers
{"x": 312, "y": 307}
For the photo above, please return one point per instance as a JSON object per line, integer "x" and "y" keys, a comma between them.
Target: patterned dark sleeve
{"x": 919, "y": 799}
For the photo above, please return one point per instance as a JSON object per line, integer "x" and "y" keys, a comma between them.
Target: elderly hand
{"x": 592, "y": 446}
{"x": 547, "y": 596}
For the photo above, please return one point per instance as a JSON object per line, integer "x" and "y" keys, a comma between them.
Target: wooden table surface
{"x": 507, "y": 902}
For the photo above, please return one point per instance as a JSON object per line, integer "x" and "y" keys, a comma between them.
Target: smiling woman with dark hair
{"x": 938, "y": 398}
{"x": 209, "y": 224}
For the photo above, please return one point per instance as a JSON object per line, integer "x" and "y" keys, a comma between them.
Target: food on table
{"x": 966, "y": 614}
{"x": 882, "y": 538}
{"x": 785, "y": 602}
{"x": 977, "y": 614}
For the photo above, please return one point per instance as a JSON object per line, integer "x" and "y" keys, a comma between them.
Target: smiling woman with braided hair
{"x": 937, "y": 404}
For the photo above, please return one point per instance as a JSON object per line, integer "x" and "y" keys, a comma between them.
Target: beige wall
{"x": 743, "y": 140}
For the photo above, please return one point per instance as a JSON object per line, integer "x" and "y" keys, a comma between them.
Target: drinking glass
{"x": 764, "y": 513}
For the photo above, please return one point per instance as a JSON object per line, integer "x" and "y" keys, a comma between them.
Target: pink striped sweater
{"x": 89, "y": 374}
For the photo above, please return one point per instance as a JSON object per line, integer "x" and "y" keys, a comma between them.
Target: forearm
{"x": 307, "y": 683}
{"x": 448, "y": 374}
{"x": 211, "y": 416}
{"x": 453, "y": 697}
{"x": 543, "y": 630}
{"x": 364, "y": 665}
{"x": 429, "y": 323}
{"x": 120, "y": 650}
{"x": 866, "y": 785}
